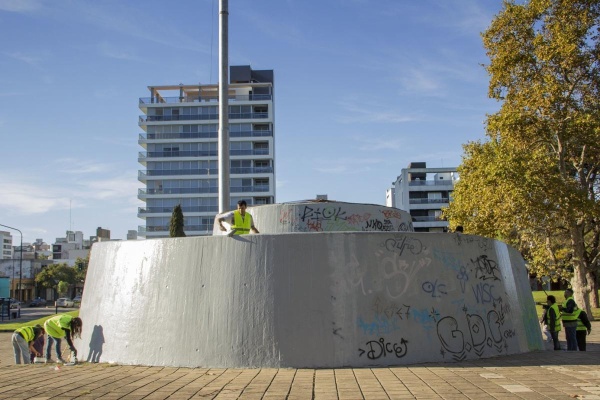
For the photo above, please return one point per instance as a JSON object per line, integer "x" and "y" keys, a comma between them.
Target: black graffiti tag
{"x": 485, "y": 268}
{"x": 381, "y": 348}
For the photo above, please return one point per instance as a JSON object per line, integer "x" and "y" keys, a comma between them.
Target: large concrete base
{"x": 317, "y": 300}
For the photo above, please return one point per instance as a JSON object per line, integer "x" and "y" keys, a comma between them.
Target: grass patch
{"x": 540, "y": 298}
{"x": 10, "y": 327}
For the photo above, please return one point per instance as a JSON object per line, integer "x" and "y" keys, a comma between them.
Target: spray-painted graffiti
{"x": 462, "y": 277}
{"x": 434, "y": 288}
{"x": 400, "y": 244}
{"x": 483, "y": 292}
{"x": 486, "y": 268}
{"x": 398, "y": 274}
{"x": 330, "y": 218}
{"x": 377, "y": 225}
{"x": 453, "y": 340}
{"x": 379, "y": 325}
{"x": 375, "y": 349}
{"x": 392, "y": 214}
{"x": 324, "y": 213}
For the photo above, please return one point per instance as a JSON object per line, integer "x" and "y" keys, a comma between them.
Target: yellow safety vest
{"x": 557, "y": 325}
{"x": 27, "y": 333}
{"x": 55, "y": 326}
{"x": 241, "y": 225}
{"x": 567, "y": 317}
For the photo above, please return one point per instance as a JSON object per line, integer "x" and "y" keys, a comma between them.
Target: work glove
{"x": 589, "y": 331}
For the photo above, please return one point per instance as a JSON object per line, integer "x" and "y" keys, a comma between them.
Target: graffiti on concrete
{"x": 375, "y": 349}
{"x": 330, "y": 218}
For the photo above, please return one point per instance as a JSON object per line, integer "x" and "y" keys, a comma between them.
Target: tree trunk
{"x": 578, "y": 283}
{"x": 592, "y": 280}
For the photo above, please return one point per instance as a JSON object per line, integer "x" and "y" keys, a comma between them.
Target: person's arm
{"x": 586, "y": 321}
{"x": 33, "y": 349}
{"x": 570, "y": 306}
{"x": 223, "y": 218}
{"x": 69, "y": 341}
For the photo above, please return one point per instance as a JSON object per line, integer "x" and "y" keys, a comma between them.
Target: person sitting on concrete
{"x": 58, "y": 327}
{"x": 22, "y": 341}
{"x": 584, "y": 328}
{"x": 553, "y": 319}
{"x": 241, "y": 221}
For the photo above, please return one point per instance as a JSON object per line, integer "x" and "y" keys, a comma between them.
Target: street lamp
{"x": 20, "y": 261}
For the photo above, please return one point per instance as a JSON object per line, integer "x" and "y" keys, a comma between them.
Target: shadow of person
{"x": 96, "y": 344}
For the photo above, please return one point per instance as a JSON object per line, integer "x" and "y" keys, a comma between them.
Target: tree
{"x": 535, "y": 183}
{"x": 62, "y": 288}
{"x": 176, "y": 225}
{"x": 51, "y": 275}
{"x": 81, "y": 266}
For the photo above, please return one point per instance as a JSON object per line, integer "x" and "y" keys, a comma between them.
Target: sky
{"x": 362, "y": 88}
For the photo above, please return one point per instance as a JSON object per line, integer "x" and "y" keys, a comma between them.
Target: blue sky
{"x": 362, "y": 88}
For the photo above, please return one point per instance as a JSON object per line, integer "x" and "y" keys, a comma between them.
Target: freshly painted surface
{"x": 323, "y": 299}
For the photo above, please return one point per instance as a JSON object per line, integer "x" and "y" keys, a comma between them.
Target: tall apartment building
{"x": 7, "y": 248}
{"x": 423, "y": 192}
{"x": 180, "y": 150}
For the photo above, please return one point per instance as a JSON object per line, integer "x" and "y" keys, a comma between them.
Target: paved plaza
{"x": 539, "y": 375}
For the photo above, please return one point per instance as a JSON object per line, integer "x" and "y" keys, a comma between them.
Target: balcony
{"x": 169, "y": 210}
{"x": 248, "y": 189}
{"x": 202, "y": 190}
{"x": 208, "y": 99}
{"x": 204, "y": 117}
{"x": 258, "y": 170}
{"x": 201, "y": 153}
{"x": 427, "y": 219}
{"x": 202, "y": 135}
{"x": 428, "y": 201}
{"x": 440, "y": 182}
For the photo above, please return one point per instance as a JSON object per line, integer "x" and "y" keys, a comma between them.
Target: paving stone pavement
{"x": 537, "y": 375}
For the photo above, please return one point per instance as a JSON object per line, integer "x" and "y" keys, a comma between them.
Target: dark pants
{"x": 581, "y": 339}
{"x": 554, "y": 335}
{"x": 571, "y": 334}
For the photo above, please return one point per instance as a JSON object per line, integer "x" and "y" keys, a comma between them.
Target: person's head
{"x": 76, "y": 326}
{"x": 38, "y": 330}
{"x": 458, "y": 228}
{"x": 551, "y": 300}
{"x": 568, "y": 293}
{"x": 241, "y": 206}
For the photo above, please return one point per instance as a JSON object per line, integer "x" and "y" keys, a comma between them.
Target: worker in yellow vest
{"x": 569, "y": 318}
{"x": 584, "y": 328}
{"x": 241, "y": 221}
{"x": 553, "y": 320}
{"x": 22, "y": 341}
{"x": 58, "y": 327}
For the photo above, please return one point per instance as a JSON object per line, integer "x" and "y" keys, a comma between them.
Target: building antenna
{"x": 70, "y": 221}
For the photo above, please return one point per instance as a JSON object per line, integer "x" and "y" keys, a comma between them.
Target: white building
{"x": 423, "y": 192}
{"x": 7, "y": 247}
{"x": 180, "y": 150}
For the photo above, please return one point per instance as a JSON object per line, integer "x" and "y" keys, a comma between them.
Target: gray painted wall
{"x": 325, "y": 299}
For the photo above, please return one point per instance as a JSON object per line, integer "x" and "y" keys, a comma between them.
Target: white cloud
{"x": 111, "y": 51}
{"x": 27, "y": 59}
{"x": 364, "y": 112}
{"x": 20, "y": 6}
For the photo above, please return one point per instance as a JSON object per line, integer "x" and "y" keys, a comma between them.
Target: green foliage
{"x": 50, "y": 276}
{"x": 534, "y": 183}
{"x": 81, "y": 266}
{"x": 62, "y": 288}
{"x": 176, "y": 225}
{"x": 11, "y": 326}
